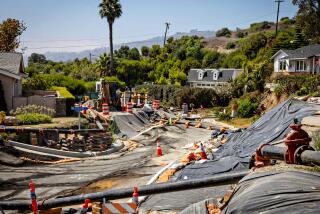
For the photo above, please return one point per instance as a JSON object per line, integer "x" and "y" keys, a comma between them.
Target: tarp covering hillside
{"x": 235, "y": 154}
{"x": 280, "y": 192}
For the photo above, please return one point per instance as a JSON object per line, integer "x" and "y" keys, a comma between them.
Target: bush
{"x": 2, "y": 117}
{"x": 316, "y": 139}
{"x": 297, "y": 84}
{"x": 231, "y": 45}
{"x": 223, "y": 32}
{"x": 33, "y": 118}
{"x": 224, "y": 116}
{"x": 46, "y": 81}
{"x": 63, "y": 92}
{"x": 33, "y": 109}
{"x": 70, "y": 99}
{"x": 246, "y": 108}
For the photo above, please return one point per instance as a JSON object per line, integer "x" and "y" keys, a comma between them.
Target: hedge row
{"x": 170, "y": 95}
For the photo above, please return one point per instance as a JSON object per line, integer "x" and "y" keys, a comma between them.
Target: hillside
{"x": 219, "y": 43}
{"x": 67, "y": 56}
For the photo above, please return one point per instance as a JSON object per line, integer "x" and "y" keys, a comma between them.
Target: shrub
{"x": 63, "y": 92}
{"x": 46, "y": 81}
{"x": 223, "y": 32}
{"x": 231, "y": 45}
{"x": 33, "y": 118}
{"x": 246, "y": 108}
{"x": 241, "y": 34}
{"x": 33, "y": 109}
{"x": 70, "y": 99}
{"x": 2, "y": 117}
{"x": 224, "y": 116}
{"x": 316, "y": 139}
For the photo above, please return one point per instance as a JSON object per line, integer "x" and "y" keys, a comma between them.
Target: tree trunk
{"x": 111, "y": 48}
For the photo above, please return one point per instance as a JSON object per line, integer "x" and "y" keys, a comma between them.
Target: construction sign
{"x": 119, "y": 208}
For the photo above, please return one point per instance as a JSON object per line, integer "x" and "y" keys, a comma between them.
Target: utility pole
{"x": 279, "y": 2}
{"x": 165, "y": 34}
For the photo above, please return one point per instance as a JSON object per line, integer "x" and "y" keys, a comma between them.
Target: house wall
{"x": 8, "y": 88}
{"x": 203, "y": 84}
{"x": 58, "y": 104}
{"x": 276, "y": 61}
{"x": 293, "y": 66}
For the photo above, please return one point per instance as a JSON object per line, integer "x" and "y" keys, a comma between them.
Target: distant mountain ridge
{"x": 67, "y": 56}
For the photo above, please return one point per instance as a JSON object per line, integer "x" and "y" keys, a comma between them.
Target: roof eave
{"x": 274, "y": 55}
{"x": 3, "y": 72}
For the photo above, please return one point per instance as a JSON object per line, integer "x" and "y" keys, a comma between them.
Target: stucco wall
{"x": 8, "y": 87}
{"x": 58, "y": 104}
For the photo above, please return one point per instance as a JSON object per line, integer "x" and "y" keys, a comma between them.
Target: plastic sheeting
{"x": 272, "y": 126}
{"x": 130, "y": 124}
{"x": 180, "y": 200}
{"x": 283, "y": 192}
{"x": 235, "y": 154}
{"x": 213, "y": 167}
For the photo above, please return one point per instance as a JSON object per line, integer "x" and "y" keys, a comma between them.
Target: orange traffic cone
{"x": 159, "y": 150}
{"x": 135, "y": 195}
{"x": 203, "y": 152}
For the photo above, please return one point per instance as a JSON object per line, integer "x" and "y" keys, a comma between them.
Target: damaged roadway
{"x": 126, "y": 168}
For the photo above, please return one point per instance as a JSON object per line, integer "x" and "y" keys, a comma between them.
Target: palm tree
{"x": 110, "y": 9}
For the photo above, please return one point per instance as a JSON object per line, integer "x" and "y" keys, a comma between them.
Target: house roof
{"x": 301, "y": 53}
{"x": 227, "y": 75}
{"x": 11, "y": 63}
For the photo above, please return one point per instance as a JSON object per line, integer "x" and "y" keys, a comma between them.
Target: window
{"x": 282, "y": 66}
{"x": 217, "y": 75}
{"x": 301, "y": 66}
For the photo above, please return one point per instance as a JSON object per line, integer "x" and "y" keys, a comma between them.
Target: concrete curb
{"x": 115, "y": 147}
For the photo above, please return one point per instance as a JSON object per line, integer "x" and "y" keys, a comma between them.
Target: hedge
{"x": 33, "y": 118}
{"x": 70, "y": 99}
{"x": 170, "y": 95}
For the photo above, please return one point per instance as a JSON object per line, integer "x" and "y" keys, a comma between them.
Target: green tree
{"x": 298, "y": 40}
{"x": 251, "y": 45}
{"x": 223, "y": 32}
{"x": 110, "y": 9}
{"x": 212, "y": 59}
{"x": 308, "y": 17}
{"x": 145, "y": 51}
{"x": 122, "y": 52}
{"x": 37, "y": 58}
{"x": 10, "y": 30}
{"x": 155, "y": 51}
{"x": 134, "y": 54}
{"x": 103, "y": 64}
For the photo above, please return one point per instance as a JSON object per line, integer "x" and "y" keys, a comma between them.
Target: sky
{"x": 74, "y": 25}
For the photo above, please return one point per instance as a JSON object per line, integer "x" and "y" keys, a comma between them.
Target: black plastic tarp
{"x": 235, "y": 154}
{"x": 213, "y": 167}
{"x": 279, "y": 192}
{"x": 130, "y": 124}
{"x": 272, "y": 126}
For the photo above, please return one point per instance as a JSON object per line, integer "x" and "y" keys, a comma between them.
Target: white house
{"x": 212, "y": 78}
{"x": 299, "y": 61}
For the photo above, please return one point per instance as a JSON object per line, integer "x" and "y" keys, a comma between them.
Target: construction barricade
{"x": 105, "y": 109}
{"x": 129, "y": 107}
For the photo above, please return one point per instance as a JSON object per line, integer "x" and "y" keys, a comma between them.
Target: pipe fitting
{"x": 260, "y": 160}
{"x": 294, "y": 140}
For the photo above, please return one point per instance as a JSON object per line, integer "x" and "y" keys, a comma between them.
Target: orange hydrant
{"x": 296, "y": 139}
